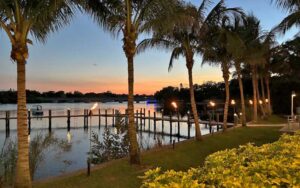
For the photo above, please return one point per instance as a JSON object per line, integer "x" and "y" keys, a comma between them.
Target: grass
{"x": 273, "y": 119}
{"x": 185, "y": 155}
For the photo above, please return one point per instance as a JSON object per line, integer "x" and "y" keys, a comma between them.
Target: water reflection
{"x": 65, "y": 151}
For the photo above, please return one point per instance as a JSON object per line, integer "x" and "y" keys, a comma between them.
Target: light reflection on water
{"x": 59, "y": 161}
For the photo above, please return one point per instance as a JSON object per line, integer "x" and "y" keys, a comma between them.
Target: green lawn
{"x": 273, "y": 119}
{"x": 185, "y": 155}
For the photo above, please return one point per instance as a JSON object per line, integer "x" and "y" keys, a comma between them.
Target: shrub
{"x": 271, "y": 165}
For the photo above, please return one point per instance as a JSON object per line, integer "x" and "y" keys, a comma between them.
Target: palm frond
{"x": 158, "y": 43}
{"x": 175, "y": 55}
{"x": 287, "y": 23}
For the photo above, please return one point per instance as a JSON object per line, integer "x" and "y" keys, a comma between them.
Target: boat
{"x": 37, "y": 110}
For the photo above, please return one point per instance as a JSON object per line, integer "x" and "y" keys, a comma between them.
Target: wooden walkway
{"x": 140, "y": 120}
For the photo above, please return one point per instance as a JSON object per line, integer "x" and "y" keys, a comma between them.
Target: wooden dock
{"x": 140, "y": 120}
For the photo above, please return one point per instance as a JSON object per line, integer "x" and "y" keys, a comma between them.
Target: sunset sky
{"x": 82, "y": 57}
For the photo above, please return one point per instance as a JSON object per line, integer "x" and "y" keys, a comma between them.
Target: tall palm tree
{"x": 131, "y": 18}
{"x": 270, "y": 44}
{"x": 236, "y": 47}
{"x": 19, "y": 18}
{"x": 215, "y": 53}
{"x": 184, "y": 39}
{"x": 253, "y": 55}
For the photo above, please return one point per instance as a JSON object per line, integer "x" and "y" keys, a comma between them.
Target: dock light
{"x": 90, "y": 152}
{"x": 251, "y": 102}
{"x": 232, "y": 102}
{"x": 267, "y": 100}
{"x": 260, "y": 101}
{"x": 292, "y": 103}
{"x": 212, "y": 103}
{"x": 241, "y": 113}
{"x": 174, "y": 104}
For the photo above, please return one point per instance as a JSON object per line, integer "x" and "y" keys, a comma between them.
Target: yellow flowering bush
{"x": 271, "y": 165}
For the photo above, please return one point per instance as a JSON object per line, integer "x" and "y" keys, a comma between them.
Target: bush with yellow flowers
{"x": 271, "y": 165}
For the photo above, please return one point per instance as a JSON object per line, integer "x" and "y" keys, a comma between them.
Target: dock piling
{"x": 69, "y": 120}
{"x": 50, "y": 120}
{"x": 29, "y": 121}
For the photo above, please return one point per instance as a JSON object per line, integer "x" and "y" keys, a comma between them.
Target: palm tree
{"x": 184, "y": 39}
{"x": 19, "y": 18}
{"x": 131, "y": 18}
{"x": 237, "y": 48}
{"x": 214, "y": 52}
{"x": 253, "y": 57}
{"x": 270, "y": 44}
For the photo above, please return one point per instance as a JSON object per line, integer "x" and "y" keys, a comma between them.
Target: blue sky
{"x": 83, "y": 57}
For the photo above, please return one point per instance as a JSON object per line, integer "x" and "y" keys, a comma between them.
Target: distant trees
{"x": 10, "y": 96}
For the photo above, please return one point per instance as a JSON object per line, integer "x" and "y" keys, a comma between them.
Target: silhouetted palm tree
{"x": 131, "y": 18}
{"x": 237, "y": 48}
{"x": 19, "y": 18}
{"x": 254, "y": 54}
{"x": 215, "y": 53}
{"x": 185, "y": 38}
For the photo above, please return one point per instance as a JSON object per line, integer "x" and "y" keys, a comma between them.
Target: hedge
{"x": 271, "y": 165}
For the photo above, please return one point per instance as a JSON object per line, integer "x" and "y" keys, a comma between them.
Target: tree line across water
{"x": 33, "y": 96}
{"x": 224, "y": 36}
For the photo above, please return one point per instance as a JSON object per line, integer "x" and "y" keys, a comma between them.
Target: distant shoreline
{"x": 78, "y": 100}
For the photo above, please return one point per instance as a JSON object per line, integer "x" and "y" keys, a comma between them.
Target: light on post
{"x": 232, "y": 102}
{"x": 292, "y": 103}
{"x": 251, "y": 102}
{"x": 174, "y": 104}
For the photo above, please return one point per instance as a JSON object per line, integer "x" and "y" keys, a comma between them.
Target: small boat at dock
{"x": 37, "y": 110}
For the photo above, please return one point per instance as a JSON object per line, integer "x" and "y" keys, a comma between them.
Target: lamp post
{"x": 174, "y": 104}
{"x": 90, "y": 152}
{"x": 233, "y": 104}
{"x": 292, "y": 103}
{"x": 213, "y": 104}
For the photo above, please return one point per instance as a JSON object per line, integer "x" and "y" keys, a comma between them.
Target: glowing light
{"x": 212, "y": 103}
{"x": 69, "y": 137}
{"x": 232, "y": 102}
{"x": 293, "y": 94}
{"x": 260, "y": 101}
{"x": 241, "y": 113}
{"x": 94, "y": 106}
{"x": 267, "y": 100}
{"x": 250, "y": 102}
{"x": 174, "y": 104}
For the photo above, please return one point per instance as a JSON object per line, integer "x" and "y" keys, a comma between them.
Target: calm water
{"x": 70, "y": 153}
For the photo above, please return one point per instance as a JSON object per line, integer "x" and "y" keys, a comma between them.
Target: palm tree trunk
{"x": 129, "y": 48}
{"x": 23, "y": 178}
{"x": 134, "y": 148}
{"x": 259, "y": 100}
{"x": 193, "y": 104}
{"x": 238, "y": 69}
{"x": 262, "y": 84}
{"x": 254, "y": 81}
{"x": 225, "y": 71}
{"x": 268, "y": 94}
